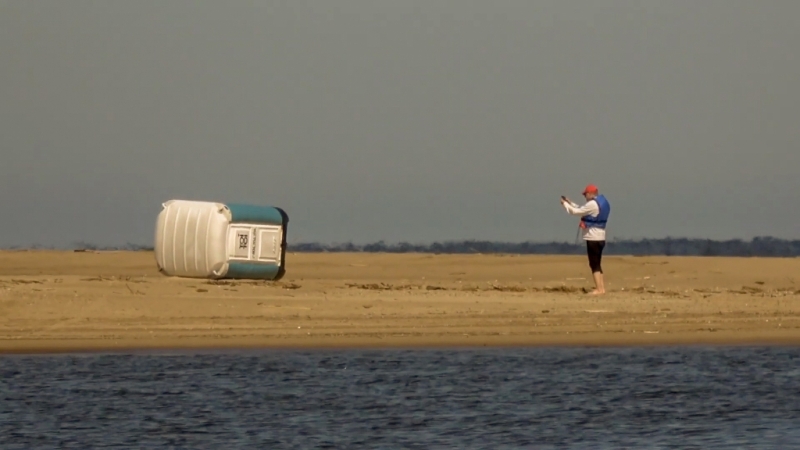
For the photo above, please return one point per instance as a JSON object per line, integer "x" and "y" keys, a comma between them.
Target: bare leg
{"x": 600, "y": 287}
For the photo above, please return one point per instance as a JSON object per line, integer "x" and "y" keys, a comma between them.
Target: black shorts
{"x": 595, "y": 252}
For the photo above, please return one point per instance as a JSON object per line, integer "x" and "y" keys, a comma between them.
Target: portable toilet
{"x": 198, "y": 239}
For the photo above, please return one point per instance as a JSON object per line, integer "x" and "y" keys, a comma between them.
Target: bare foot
{"x": 596, "y": 292}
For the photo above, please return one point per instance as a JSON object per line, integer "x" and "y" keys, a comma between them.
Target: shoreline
{"x": 68, "y": 302}
{"x": 202, "y": 345}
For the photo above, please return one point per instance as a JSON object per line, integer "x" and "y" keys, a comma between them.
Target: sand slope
{"x": 66, "y": 301}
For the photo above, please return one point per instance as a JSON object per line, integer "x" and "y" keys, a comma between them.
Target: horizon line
{"x": 132, "y": 245}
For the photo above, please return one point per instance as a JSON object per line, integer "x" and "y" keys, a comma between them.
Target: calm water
{"x": 489, "y": 399}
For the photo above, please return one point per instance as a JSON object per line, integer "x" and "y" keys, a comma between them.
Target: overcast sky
{"x": 415, "y": 120}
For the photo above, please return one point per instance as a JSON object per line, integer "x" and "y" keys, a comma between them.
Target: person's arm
{"x": 565, "y": 201}
{"x": 588, "y": 209}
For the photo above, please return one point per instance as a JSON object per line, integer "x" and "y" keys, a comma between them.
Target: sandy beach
{"x": 84, "y": 301}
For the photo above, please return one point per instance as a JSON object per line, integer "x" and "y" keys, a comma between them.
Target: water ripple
{"x": 427, "y": 399}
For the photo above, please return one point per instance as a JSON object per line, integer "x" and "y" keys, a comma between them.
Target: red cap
{"x": 590, "y": 189}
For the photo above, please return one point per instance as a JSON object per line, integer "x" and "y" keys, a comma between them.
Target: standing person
{"x": 594, "y": 217}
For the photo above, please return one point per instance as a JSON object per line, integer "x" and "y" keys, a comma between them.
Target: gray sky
{"x": 414, "y": 120}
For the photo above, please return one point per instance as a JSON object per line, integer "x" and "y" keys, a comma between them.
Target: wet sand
{"x": 67, "y": 301}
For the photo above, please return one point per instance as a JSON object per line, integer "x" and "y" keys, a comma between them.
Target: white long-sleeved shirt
{"x": 592, "y": 209}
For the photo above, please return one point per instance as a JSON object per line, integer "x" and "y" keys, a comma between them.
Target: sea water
{"x": 489, "y": 398}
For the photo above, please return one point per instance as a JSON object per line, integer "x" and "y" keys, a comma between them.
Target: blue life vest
{"x": 602, "y": 219}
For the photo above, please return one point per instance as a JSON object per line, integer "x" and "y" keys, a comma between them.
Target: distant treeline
{"x": 760, "y": 246}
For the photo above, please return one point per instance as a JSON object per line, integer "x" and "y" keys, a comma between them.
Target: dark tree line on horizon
{"x": 757, "y": 247}
{"x": 760, "y": 246}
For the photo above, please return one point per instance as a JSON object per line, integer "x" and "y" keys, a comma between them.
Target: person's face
{"x": 589, "y": 195}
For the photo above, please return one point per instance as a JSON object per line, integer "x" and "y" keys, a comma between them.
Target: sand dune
{"x": 66, "y": 301}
